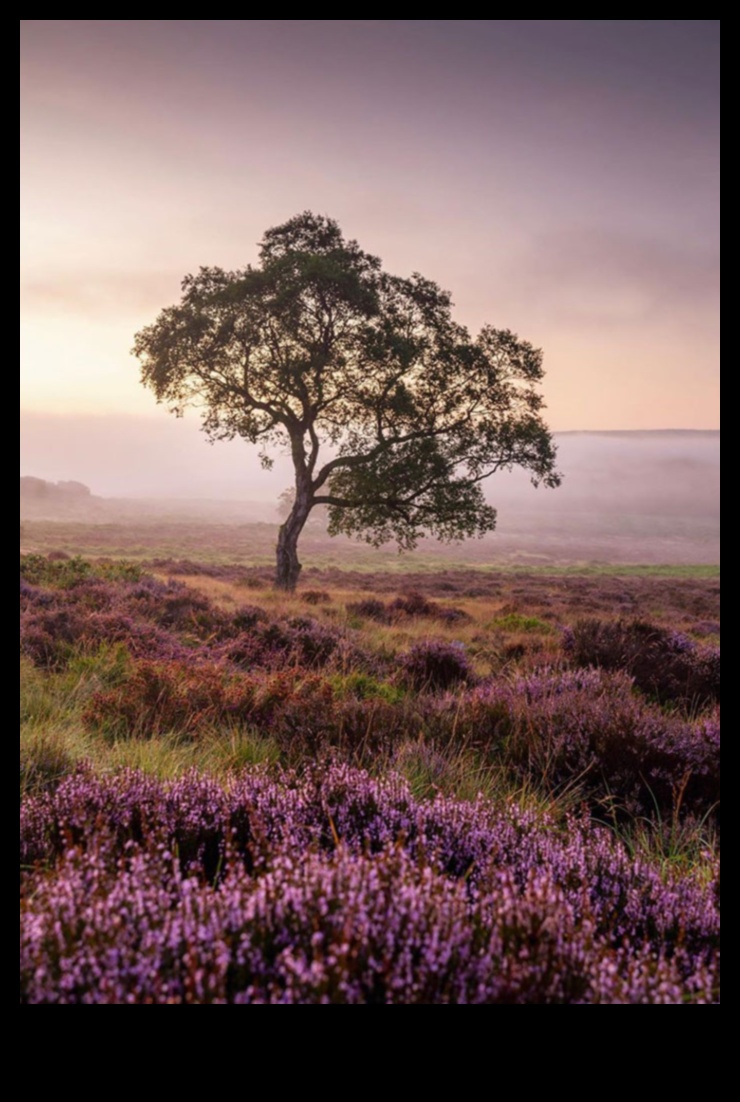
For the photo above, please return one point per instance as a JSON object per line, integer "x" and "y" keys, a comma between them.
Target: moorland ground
{"x": 587, "y": 539}
{"x": 439, "y": 785}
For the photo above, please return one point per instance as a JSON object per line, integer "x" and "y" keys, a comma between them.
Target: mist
{"x": 665, "y": 472}
{"x": 659, "y": 473}
{"x": 145, "y": 457}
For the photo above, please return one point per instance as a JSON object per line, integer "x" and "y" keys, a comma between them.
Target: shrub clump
{"x": 298, "y": 641}
{"x": 435, "y": 665}
{"x": 335, "y": 887}
{"x": 160, "y": 697}
{"x": 371, "y": 609}
{"x": 411, "y": 604}
{"x": 666, "y": 664}
{"x": 589, "y": 727}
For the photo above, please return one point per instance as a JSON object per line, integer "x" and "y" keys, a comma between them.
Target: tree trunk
{"x": 288, "y": 566}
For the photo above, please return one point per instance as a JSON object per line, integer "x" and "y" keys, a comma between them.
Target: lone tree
{"x": 392, "y": 413}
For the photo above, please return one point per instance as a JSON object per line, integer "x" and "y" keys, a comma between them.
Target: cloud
{"x": 594, "y": 277}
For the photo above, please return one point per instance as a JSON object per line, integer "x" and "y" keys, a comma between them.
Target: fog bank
{"x": 662, "y": 473}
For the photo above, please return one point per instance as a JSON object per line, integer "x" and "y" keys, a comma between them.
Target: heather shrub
{"x": 435, "y": 665}
{"x": 163, "y": 620}
{"x": 448, "y": 614}
{"x": 50, "y": 636}
{"x": 316, "y": 882}
{"x": 412, "y": 603}
{"x": 248, "y": 616}
{"x": 296, "y": 710}
{"x": 367, "y": 728}
{"x": 312, "y": 642}
{"x": 158, "y": 697}
{"x": 332, "y": 886}
{"x": 32, "y": 596}
{"x": 410, "y": 936}
{"x": 300, "y": 712}
{"x": 176, "y": 607}
{"x": 298, "y": 641}
{"x": 590, "y": 729}
{"x": 370, "y": 608}
{"x": 703, "y": 628}
{"x": 58, "y": 623}
{"x": 665, "y": 664}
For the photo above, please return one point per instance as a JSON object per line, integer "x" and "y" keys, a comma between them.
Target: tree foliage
{"x": 392, "y": 413}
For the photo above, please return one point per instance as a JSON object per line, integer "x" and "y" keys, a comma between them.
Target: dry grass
{"x": 504, "y": 609}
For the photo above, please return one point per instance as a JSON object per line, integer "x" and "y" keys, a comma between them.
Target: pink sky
{"x": 558, "y": 177}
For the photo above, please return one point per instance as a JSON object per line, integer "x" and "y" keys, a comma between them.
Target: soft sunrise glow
{"x": 559, "y": 177}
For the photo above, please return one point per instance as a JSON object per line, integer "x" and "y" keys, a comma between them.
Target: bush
{"x": 447, "y": 614}
{"x": 248, "y": 616}
{"x": 409, "y": 604}
{"x": 371, "y": 609}
{"x": 333, "y": 886}
{"x": 590, "y": 728}
{"x": 436, "y": 665}
{"x": 160, "y": 697}
{"x": 665, "y": 664}
{"x": 281, "y": 644}
{"x": 412, "y": 603}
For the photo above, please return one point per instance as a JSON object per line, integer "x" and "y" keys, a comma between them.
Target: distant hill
{"x": 62, "y": 493}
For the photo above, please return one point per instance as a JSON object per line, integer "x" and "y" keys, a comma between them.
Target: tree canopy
{"x": 393, "y": 414}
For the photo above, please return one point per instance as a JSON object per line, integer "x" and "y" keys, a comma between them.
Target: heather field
{"x": 370, "y": 512}
{"x": 450, "y": 786}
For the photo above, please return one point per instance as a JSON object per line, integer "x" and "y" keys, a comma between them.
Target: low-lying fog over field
{"x": 626, "y": 497}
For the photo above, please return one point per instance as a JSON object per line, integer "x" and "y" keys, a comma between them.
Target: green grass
{"x": 514, "y": 621}
{"x": 54, "y": 739}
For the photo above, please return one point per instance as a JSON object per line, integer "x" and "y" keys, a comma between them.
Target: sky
{"x": 558, "y": 177}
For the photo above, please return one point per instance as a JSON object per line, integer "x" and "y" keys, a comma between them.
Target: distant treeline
{"x": 40, "y": 489}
